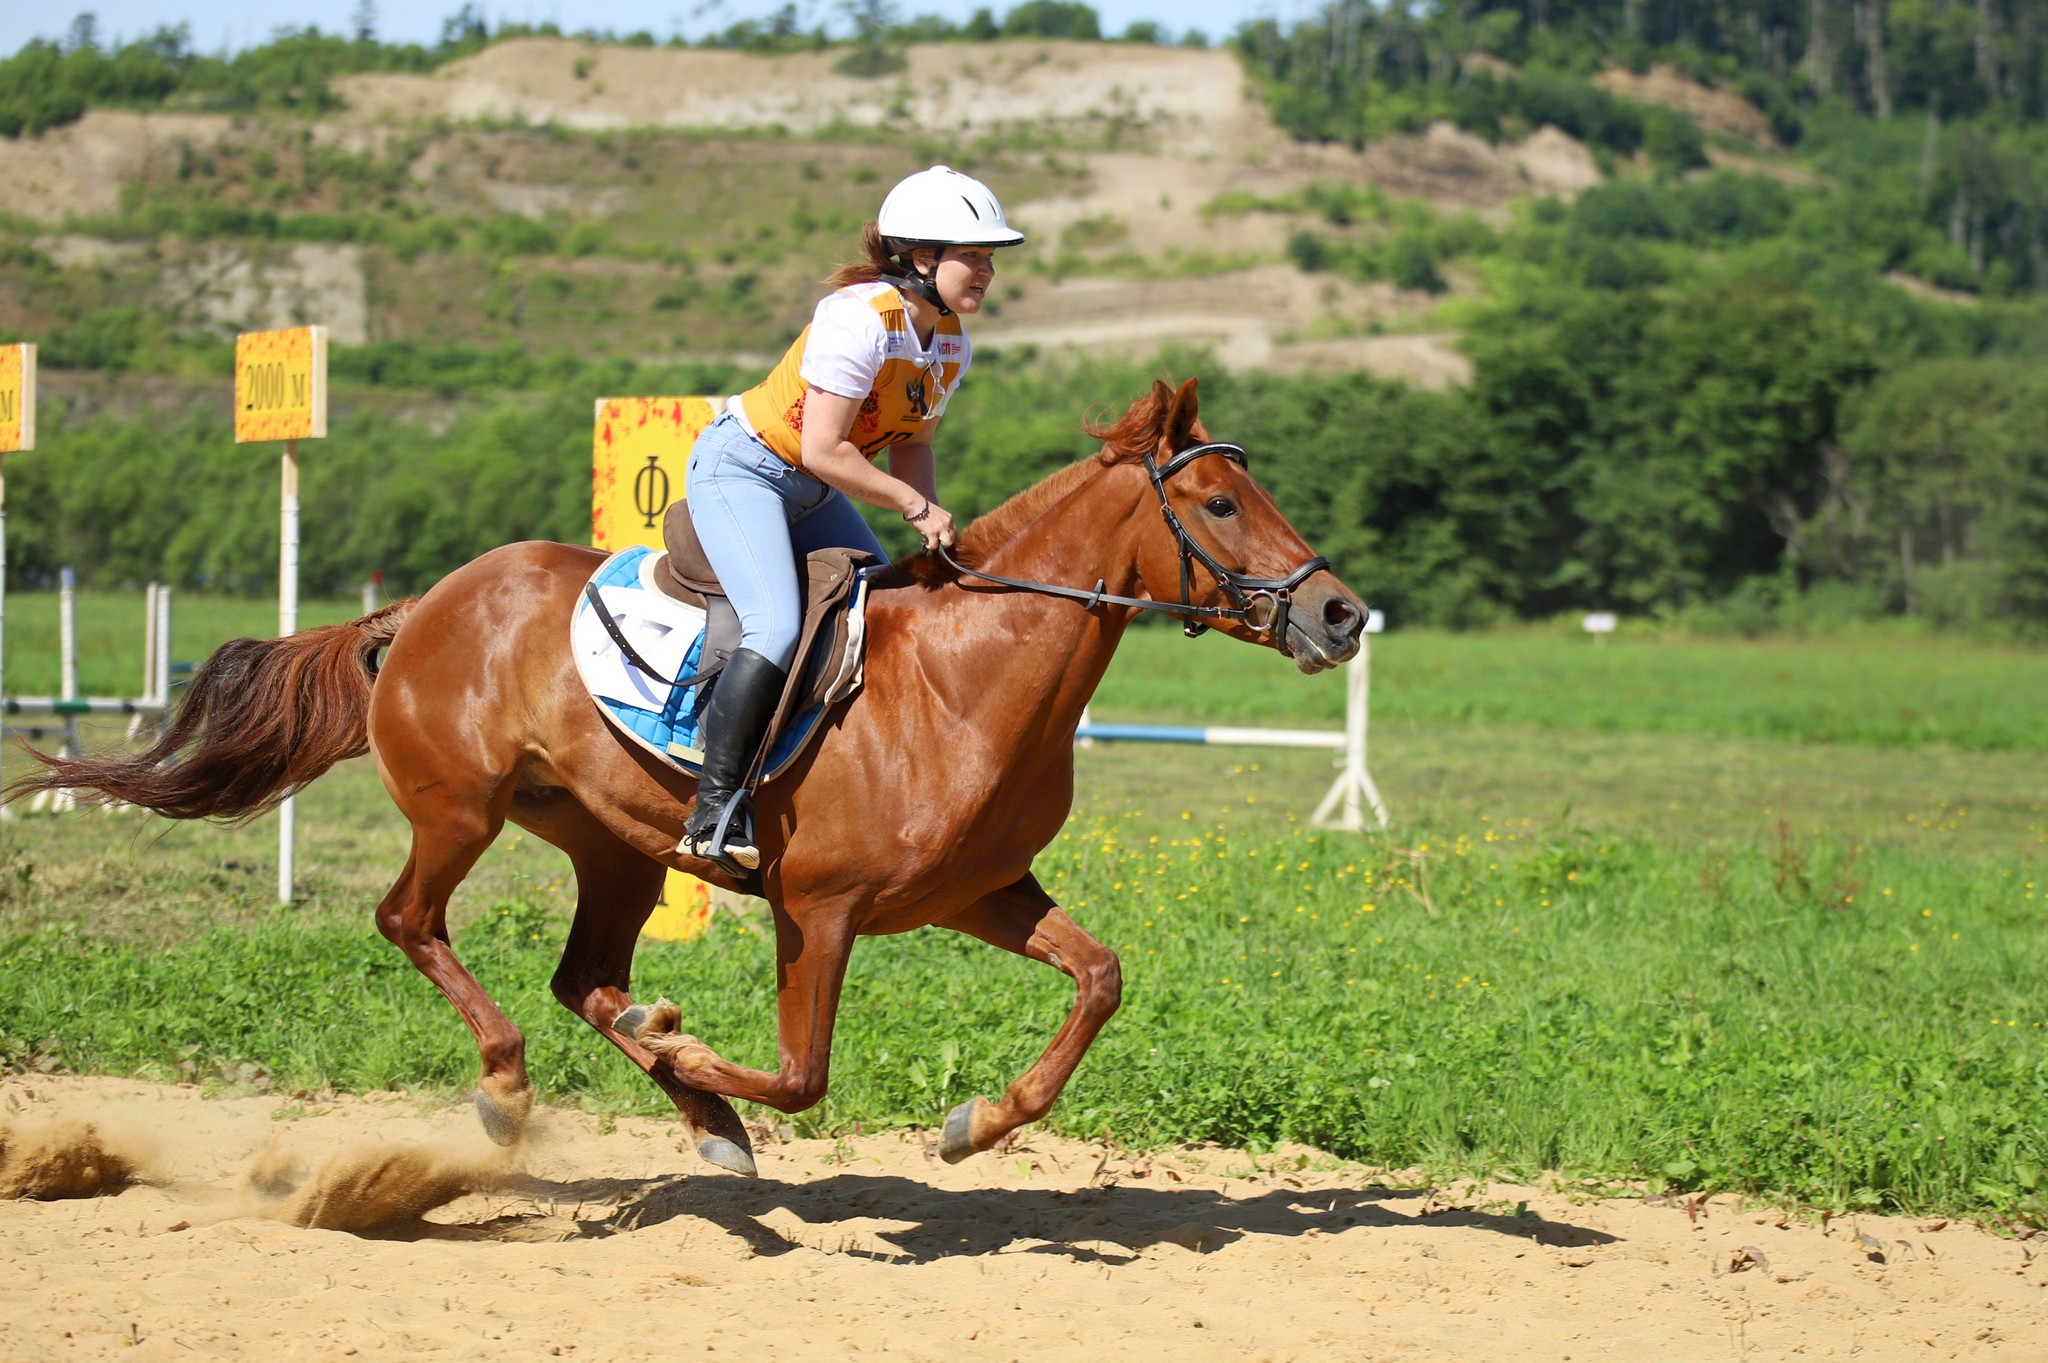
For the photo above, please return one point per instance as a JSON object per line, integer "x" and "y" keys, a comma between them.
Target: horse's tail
{"x": 259, "y": 719}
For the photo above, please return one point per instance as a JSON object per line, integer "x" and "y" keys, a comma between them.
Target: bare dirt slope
{"x": 79, "y": 169}
{"x": 606, "y": 1243}
{"x": 944, "y": 88}
{"x": 1144, "y": 138}
{"x": 1256, "y": 318}
{"x": 1715, "y": 110}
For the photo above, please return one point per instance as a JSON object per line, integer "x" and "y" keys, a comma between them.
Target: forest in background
{"x": 1805, "y": 385}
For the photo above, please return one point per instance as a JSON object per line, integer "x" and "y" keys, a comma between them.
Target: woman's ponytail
{"x": 878, "y": 261}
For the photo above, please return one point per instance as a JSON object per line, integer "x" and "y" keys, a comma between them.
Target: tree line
{"x": 1728, "y": 446}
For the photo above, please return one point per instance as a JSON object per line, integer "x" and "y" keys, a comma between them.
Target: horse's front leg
{"x": 810, "y": 968}
{"x": 1023, "y": 918}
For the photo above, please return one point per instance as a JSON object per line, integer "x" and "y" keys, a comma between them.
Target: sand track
{"x": 611, "y": 1244}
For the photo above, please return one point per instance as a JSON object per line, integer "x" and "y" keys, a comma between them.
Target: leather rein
{"x": 1262, "y": 603}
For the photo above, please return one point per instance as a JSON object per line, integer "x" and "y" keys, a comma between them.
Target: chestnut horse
{"x": 924, "y": 802}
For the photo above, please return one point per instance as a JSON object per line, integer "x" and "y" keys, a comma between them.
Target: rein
{"x": 1259, "y": 602}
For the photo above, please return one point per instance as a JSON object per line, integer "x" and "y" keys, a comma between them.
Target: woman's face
{"x": 963, "y": 276}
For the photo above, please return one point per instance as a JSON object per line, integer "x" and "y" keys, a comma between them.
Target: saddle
{"x": 828, "y": 650}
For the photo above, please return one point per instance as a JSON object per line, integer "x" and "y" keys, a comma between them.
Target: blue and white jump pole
{"x": 147, "y": 711}
{"x": 1343, "y": 807}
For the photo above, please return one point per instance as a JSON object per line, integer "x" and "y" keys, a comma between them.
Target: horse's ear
{"x": 1158, "y": 403}
{"x": 1182, "y": 417}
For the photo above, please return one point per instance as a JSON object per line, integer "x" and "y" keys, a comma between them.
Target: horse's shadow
{"x": 921, "y": 1223}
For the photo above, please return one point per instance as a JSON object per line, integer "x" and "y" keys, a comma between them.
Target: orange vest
{"x": 907, "y": 397}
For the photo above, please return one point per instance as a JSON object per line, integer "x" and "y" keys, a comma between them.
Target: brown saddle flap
{"x": 829, "y": 577}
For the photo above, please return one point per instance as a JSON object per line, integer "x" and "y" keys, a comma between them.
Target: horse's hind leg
{"x": 617, "y": 888}
{"x": 810, "y": 969}
{"x": 1023, "y": 918}
{"x": 414, "y": 917}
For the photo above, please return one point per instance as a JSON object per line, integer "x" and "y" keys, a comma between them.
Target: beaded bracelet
{"x": 923, "y": 511}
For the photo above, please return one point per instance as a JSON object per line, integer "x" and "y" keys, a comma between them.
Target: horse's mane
{"x": 1129, "y": 438}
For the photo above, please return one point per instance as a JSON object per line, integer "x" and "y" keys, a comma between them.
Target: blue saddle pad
{"x": 661, "y": 716}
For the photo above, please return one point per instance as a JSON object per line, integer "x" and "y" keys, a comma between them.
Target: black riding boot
{"x": 742, "y": 702}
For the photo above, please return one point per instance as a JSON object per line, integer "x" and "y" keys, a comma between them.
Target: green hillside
{"x": 1757, "y": 343}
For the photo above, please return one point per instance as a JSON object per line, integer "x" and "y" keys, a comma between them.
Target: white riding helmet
{"x": 942, "y": 207}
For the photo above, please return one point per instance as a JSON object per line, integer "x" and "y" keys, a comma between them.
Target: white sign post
{"x": 1600, "y": 624}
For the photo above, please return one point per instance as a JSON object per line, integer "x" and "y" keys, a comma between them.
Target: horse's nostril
{"x": 1343, "y": 618}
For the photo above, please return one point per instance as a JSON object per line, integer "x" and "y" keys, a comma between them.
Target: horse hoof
{"x": 504, "y": 1121}
{"x": 956, "y": 1139}
{"x": 727, "y": 1155}
{"x": 647, "y": 1019}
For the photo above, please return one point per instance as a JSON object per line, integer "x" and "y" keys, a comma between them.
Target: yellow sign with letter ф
{"x": 638, "y": 455}
{"x": 281, "y": 384}
{"x": 639, "y": 451}
{"x": 17, "y": 398}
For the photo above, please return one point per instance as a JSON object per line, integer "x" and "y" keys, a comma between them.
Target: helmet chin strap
{"x": 924, "y": 286}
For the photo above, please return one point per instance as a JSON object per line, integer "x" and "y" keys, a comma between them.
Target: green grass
{"x": 1682, "y": 789}
{"x": 110, "y": 636}
{"x": 1650, "y": 938}
{"x": 1804, "y": 1021}
{"x": 1884, "y": 687}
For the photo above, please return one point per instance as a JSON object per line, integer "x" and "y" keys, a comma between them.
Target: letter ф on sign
{"x": 639, "y": 451}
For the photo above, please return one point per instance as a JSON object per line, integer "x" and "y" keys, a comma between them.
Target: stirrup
{"x": 718, "y": 845}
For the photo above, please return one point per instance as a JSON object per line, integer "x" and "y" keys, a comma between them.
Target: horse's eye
{"x": 1220, "y": 507}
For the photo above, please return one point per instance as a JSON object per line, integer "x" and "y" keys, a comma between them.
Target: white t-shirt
{"x": 849, "y": 342}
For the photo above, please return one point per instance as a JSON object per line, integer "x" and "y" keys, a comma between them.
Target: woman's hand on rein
{"x": 935, "y": 523}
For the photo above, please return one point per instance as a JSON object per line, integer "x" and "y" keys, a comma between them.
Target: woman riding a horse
{"x": 776, "y": 476}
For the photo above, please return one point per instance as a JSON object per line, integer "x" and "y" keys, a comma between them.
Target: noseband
{"x": 1260, "y": 603}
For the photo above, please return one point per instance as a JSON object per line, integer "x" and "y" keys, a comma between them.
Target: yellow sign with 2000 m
{"x": 17, "y": 397}
{"x": 281, "y": 384}
{"x": 639, "y": 451}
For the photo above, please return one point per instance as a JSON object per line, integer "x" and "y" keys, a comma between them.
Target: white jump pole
{"x": 149, "y": 648}
{"x": 67, "y": 636}
{"x": 67, "y": 652}
{"x": 1354, "y": 787}
{"x": 1354, "y": 784}
{"x": 287, "y": 625}
{"x": 163, "y": 654}
{"x": 149, "y": 642}
{"x": 58, "y": 801}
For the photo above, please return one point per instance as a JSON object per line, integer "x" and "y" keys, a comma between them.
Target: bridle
{"x": 1261, "y": 603}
